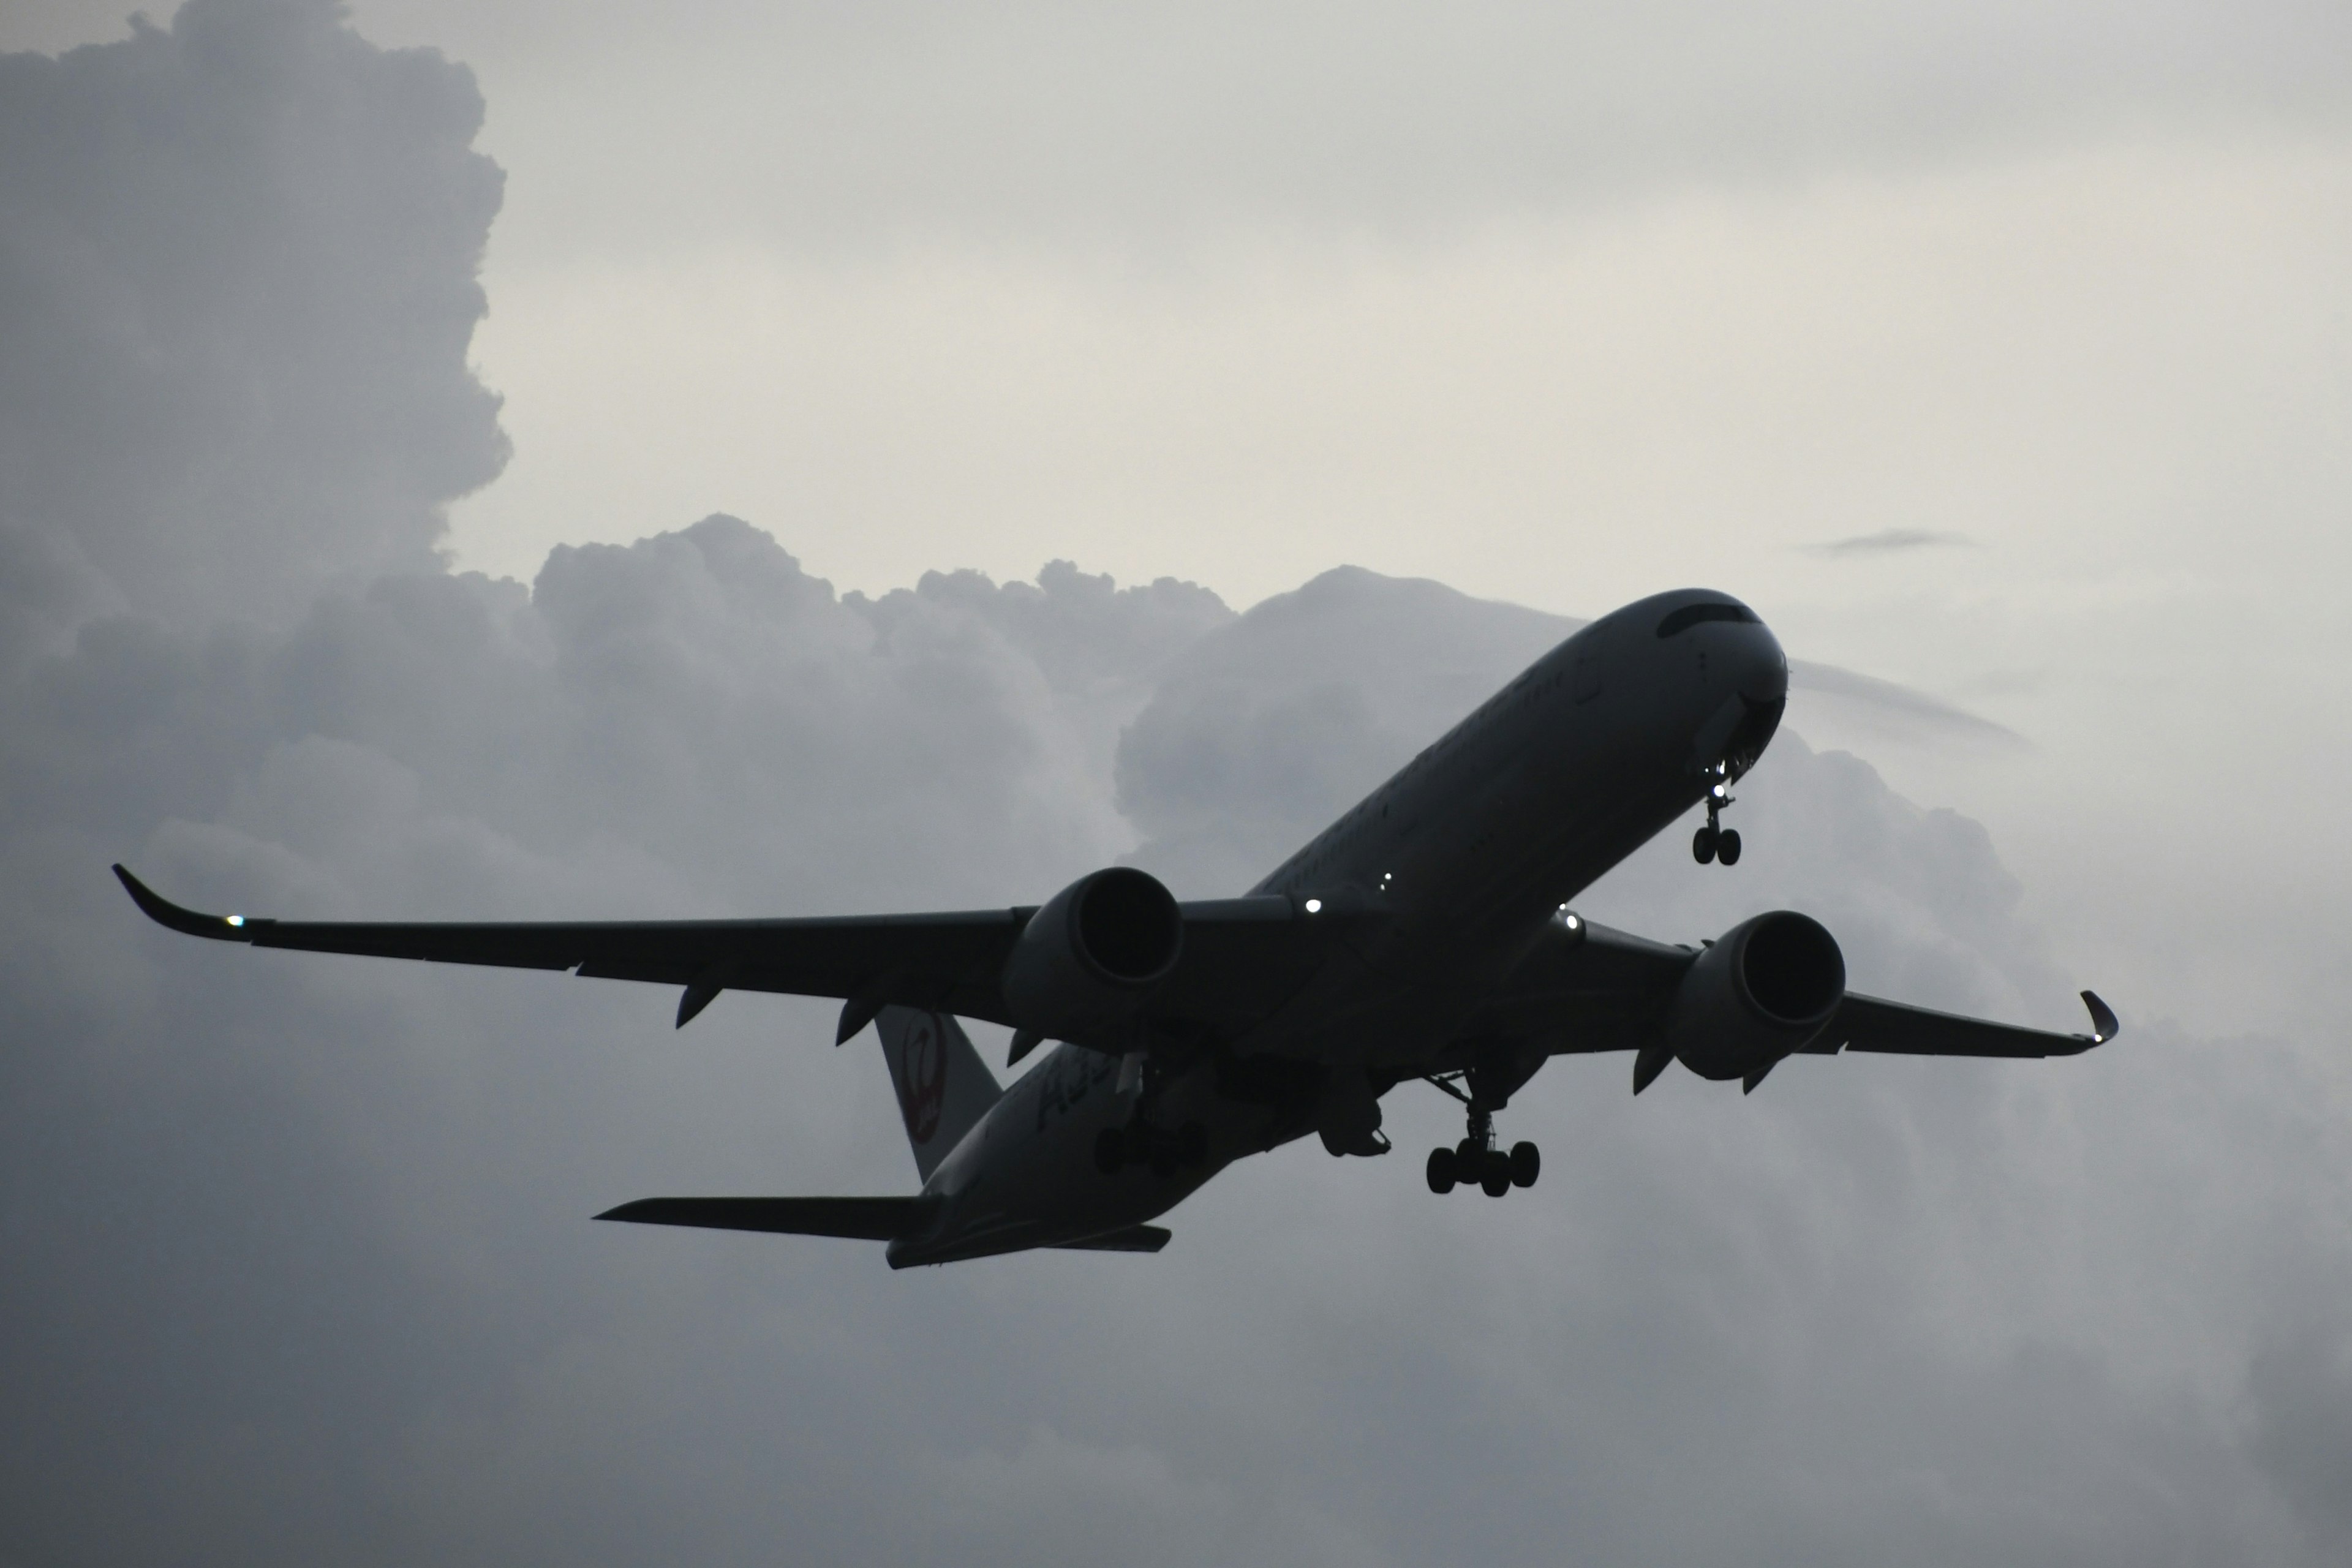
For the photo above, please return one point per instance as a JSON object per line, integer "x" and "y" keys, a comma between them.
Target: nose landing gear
{"x": 1715, "y": 841}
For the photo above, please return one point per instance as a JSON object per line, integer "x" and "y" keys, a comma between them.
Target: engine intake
{"x": 1089, "y": 957}
{"x": 1762, "y": 992}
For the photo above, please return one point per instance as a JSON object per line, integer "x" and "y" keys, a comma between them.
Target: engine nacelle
{"x": 1765, "y": 990}
{"x": 1088, "y": 960}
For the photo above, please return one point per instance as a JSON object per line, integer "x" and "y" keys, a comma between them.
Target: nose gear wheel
{"x": 1715, "y": 841}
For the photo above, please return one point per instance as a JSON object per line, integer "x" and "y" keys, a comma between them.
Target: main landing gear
{"x": 1715, "y": 841}
{"x": 1476, "y": 1162}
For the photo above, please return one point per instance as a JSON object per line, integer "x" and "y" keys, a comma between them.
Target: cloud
{"x": 1889, "y": 541}
{"x": 237, "y": 285}
{"x": 299, "y": 1261}
{"x": 1889, "y": 710}
{"x": 1035, "y": 123}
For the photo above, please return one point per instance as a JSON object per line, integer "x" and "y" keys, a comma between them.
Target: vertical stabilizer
{"x": 943, "y": 1085}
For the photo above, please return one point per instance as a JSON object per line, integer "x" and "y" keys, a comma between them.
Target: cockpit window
{"x": 1689, "y": 615}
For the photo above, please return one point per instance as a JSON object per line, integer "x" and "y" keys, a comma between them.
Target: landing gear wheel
{"x": 1441, "y": 1169}
{"x": 1726, "y": 847}
{"x": 1526, "y": 1163}
{"x": 1496, "y": 1179}
{"x": 1110, "y": 1150}
{"x": 1192, "y": 1145}
{"x": 1703, "y": 845}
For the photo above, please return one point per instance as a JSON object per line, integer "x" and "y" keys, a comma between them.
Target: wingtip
{"x": 164, "y": 913}
{"x": 2104, "y": 1026}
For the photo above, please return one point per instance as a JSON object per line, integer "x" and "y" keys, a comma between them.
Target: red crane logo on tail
{"x": 923, "y": 1077}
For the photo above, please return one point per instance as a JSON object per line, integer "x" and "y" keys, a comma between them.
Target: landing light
{"x": 1314, "y": 906}
{"x": 237, "y": 919}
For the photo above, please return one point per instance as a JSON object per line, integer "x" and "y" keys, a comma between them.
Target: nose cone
{"x": 1746, "y": 673}
{"x": 1734, "y": 639}
{"x": 1763, "y": 669}
{"x": 1758, "y": 671}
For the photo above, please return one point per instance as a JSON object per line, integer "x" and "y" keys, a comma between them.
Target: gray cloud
{"x": 1893, "y": 711}
{"x": 238, "y": 286}
{"x": 298, "y": 1267}
{"x": 1044, "y": 120}
{"x": 1889, "y": 541}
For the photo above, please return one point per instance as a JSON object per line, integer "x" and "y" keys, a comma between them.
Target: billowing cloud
{"x": 299, "y": 1260}
{"x": 236, "y": 281}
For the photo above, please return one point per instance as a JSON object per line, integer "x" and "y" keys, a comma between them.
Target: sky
{"x": 470, "y": 460}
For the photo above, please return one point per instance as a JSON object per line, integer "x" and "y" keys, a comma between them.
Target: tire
{"x": 1526, "y": 1162}
{"x": 1727, "y": 848}
{"x": 1441, "y": 1169}
{"x": 1703, "y": 845}
{"x": 1496, "y": 1180}
{"x": 1110, "y": 1150}
{"x": 1192, "y": 1145}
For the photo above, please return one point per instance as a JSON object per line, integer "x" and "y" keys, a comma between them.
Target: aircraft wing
{"x": 1591, "y": 988}
{"x": 1241, "y": 955}
{"x": 1867, "y": 1023}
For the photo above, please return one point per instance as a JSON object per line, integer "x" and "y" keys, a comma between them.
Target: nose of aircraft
{"x": 1763, "y": 669}
{"x": 1734, "y": 637}
{"x": 1746, "y": 673}
{"x": 1758, "y": 672}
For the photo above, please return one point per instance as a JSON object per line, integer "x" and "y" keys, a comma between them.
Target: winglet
{"x": 164, "y": 913}
{"x": 2104, "y": 1026}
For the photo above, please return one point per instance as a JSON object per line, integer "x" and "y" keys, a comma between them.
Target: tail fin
{"x": 944, "y": 1089}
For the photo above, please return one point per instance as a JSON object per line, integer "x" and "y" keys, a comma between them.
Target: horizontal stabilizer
{"x": 1134, "y": 1238}
{"x": 861, "y": 1219}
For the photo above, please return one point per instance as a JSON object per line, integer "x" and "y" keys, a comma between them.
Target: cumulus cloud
{"x": 237, "y": 281}
{"x": 300, "y": 1266}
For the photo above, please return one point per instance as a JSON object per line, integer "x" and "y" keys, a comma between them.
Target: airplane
{"x": 1427, "y": 936}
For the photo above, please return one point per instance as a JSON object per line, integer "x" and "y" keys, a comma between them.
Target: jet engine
{"x": 1763, "y": 991}
{"x": 1085, "y": 961}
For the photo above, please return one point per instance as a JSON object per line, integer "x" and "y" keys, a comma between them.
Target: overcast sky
{"x": 744, "y": 366}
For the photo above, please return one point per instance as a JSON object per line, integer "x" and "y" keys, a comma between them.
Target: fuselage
{"x": 1435, "y": 885}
